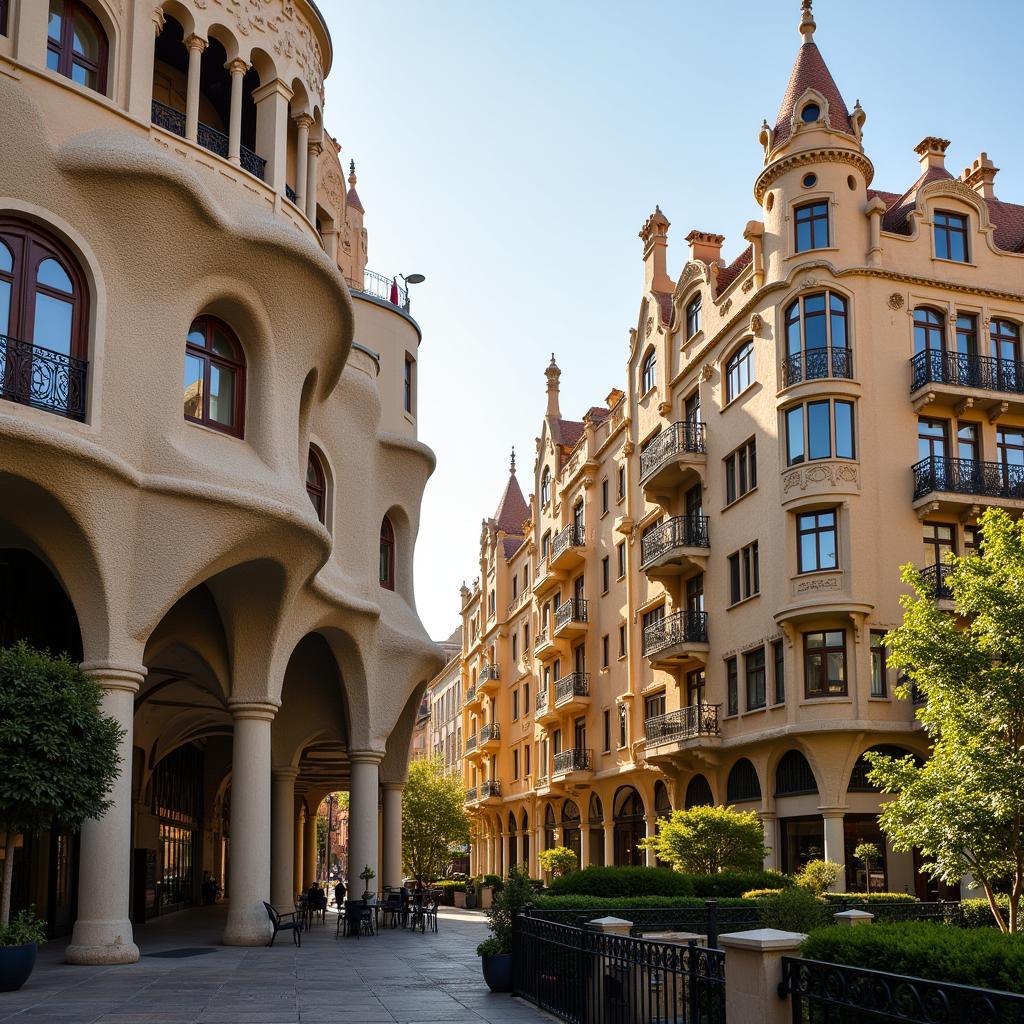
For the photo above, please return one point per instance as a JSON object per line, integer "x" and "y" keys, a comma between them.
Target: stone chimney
{"x": 655, "y": 238}
{"x": 553, "y": 373}
{"x": 705, "y": 246}
{"x": 981, "y": 176}
{"x": 932, "y": 152}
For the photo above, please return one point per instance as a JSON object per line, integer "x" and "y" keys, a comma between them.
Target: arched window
{"x": 596, "y": 812}
{"x": 316, "y": 484}
{"x": 513, "y": 841}
{"x": 743, "y": 783}
{"x": 628, "y": 812}
{"x": 386, "y": 570}
{"x": 693, "y": 315}
{"x": 739, "y": 371}
{"x": 549, "y": 827}
{"x": 817, "y": 340}
{"x": 571, "y": 828}
{"x": 929, "y": 330}
{"x": 76, "y": 45}
{"x": 43, "y": 322}
{"x": 662, "y": 803}
{"x": 214, "y": 387}
{"x": 794, "y": 776}
{"x": 649, "y": 372}
{"x": 698, "y": 793}
{"x": 859, "y": 781}
{"x": 545, "y": 486}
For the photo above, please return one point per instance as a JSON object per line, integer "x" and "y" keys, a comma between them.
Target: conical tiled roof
{"x": 810, "y": 72}
{"x": 512, "y": 509}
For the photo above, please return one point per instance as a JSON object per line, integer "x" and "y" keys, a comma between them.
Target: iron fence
{"x": 817, "y": 364}
{"x": 44, "y": 379}
{"x": 570, "y": 537}
{"x": 684, "y": 724}
{"x": 984, "y": 372}
{"x": 573, "y": 760}
{"x": 173, "y": 121}
{"x": 489, "y": 732}
{"x": 576, "y": 684}
{"x": 382, "y": 287}
{"x": 684, "y": 436}
{"x": 677, "y": 532}
{"x": 936, "y": 577}
{"x": 968, "y": 476}
{"x": 682, "y": 627}
{"x": 573, "y": 610}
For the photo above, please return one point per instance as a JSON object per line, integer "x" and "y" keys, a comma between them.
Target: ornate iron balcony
{"x": 817, "y": 364}
{"x": 44, "y": 379}
{"x": 470, "y": 695}
{"x": 471, "y": 743}
{"x": 936, "y": 577}
{"x": 488, "y": 672}
{"x": 683, "y": 627}
{"x": 576, "y": 684}
{"x": 968, "y": 476}
{"x": 684, "y": 436}
{"x": 569, "y": 537}
{"x": 290, "y": 194}
{"x": 983, "y": 372}
{"x": 542, "y": 700}
{"x": 573, "y": 760}
{"x": 492, "y": 787}
{"x": 684, "y": 724}
{"x": 543, "y": 638}
{"x": 382, "y": 287}
{"x": 173, "y": 121}
{"x": 490, "y": 732}
{"x": 471, "y": 795}
{"x": 573, "y": 610}
{"x": 677, "y": 532}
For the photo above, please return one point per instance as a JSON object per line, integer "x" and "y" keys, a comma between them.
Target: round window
{"x": 810, "y": 180}
{"x": 810, "y": 113}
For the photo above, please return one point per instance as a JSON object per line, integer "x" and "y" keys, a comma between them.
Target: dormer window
{"x": 810, "y": 113}
{"x": 811, "y": 221}
{"x": 693, "y": 315}
{"x": 951, "y": 236}
{"x": 649, "y": 372}
{"x": 545, "y": 486}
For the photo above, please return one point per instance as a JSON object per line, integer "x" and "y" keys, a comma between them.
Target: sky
{"x": 511, "y": 152}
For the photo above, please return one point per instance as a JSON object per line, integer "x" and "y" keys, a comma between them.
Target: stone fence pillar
{"x": 753, "y": 970}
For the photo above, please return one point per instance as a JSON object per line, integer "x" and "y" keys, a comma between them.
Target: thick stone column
{"x": 584, "y": 845}
{"x": 237, "y": 68}
{"x": 103, "y": 933}
{"x": 362, "y": 836}
{"x": 768, "y": 823}
{"x": 196, "y": 46}
{"x": 299, "y": 826}
{"x": 609, "y": 843}
{"x": 282, "y": 843}
{"x": 392, "y": 873}
{"x": 312, "y": 179}
{"x": 247, "y": 923}
{"x": 309, "y": 850}
{"x": 272, "y": 131}
{"x": 302, "y": 124}
{"x": 650, "y": 826}
{"x": 835, "y": 843}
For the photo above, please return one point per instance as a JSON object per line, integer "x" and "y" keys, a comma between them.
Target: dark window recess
{"x": 743, "y": 783}
{"x": 951, "y": 236}
{"x": 794, "y": 776}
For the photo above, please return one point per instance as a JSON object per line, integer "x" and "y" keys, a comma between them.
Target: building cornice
{"x": 811, "y": 156}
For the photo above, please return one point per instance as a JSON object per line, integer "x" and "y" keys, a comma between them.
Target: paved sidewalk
{"x": 396, "y": 976}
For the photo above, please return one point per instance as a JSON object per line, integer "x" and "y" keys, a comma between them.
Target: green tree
{"x": 818, "y": 876}
{"x": 559, "y": 860}
{"x": 59, "y": 753}
{"x": 869, "y": 855}
{"x": 706, "y": 840}
{"x": 433, "y": 819}
{"x": 964, "y": 807}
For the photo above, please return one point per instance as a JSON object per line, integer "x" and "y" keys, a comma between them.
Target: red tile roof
{"x": 512, "y": 509}
{"x": 810, "y": 72}
{"x": 664, "y": 300}
{"x": 512, "y": 545}
{"x": 568, "y": 432}
{"x": 353, "y": 200}
{"x": 726, "y": 275}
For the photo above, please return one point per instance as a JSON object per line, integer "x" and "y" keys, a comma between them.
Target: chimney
{"x": 981, "y": 176}
{"x": 553, "y": 373}
{"x": 705, "y": 246}
{"x": 932, "y": 152}
{"x": 655, "y": 238}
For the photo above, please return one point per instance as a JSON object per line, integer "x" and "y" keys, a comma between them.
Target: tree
{"x": 818, "y": 876}
{"x": 433, "y": 819}
{"x": 706, "y": 840}
{"x": 559, "y": 860}
{"x": 869, "y": 855}
{"x": 963, "y": 808}
{"x": 59, "y": 754}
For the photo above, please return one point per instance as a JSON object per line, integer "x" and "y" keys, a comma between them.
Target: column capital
{"x": 833, "y": 812}
{"x": 158, "y": 20}
{"x": 303, "y": 121}
{"x": 315, "y": 148}
{"x": 238, "y": 66}
{"x": 365, "y": 756}
{"x": 284, "y": 773}
{"x": 115, "y": 675}
{"x": 276, "y": 87}
{"x": 241, "y": 707}
{"x": 194, "y": 42}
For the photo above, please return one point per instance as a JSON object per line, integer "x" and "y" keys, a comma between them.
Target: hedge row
{"x": 874, "y": 897}
{"x": 978, "y": 914}
{"x": 571, "y": 902}
{"x": 636, "y": 881}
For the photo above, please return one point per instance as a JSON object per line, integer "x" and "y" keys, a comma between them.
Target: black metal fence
{"x": 965, "y": 371}
{"x": 584, "y": 976}
{"x": 968, "y": 476}
{"x": 823, "y": 993}
{"x": 42, "y": 378}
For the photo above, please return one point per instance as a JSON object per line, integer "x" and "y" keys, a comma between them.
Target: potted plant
{"x": 19, "y": 942}
{"x": 496, "y": 952}
{"x": 367, "y": 875}
{"x": 471, "y": 896}
{"x": 869, "y": 855}
{"x": 459, "y": 895}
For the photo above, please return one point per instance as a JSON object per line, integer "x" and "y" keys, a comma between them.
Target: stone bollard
{"x": 853, "y": 917}
{"x": 753, "y": 970}
{"x": 611, "y": 925}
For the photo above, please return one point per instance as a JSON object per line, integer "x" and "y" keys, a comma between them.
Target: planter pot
{"x": 460, "y": 899}
{"x": 498, "y": 972}
{"x": 471, "y": 900}
{"x": 16, "y": 963}
{"x": 486, "y": 893}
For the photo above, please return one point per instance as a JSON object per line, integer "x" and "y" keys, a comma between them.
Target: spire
{"x": 352, "y": 199}
{"x": 807, "y": 25}
{"x": 512, "y": 509}
{"x": 553, "y": 373}
{"x": 512, "y": 466}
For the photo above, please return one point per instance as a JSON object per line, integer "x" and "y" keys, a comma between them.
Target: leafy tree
{"x": 433, "y": 819}
{"x": 818, "y": 876}
{"x": 964, "y": 807}
{"x": 512, "y": 900}
{"x": 706, "y": 840}
{"x": 869, "y": 855}
{"x": 559, "y": 860}
{"x": 59, "y": 753}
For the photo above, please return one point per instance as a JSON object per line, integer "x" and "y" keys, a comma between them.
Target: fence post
{"x": 711, "y": 906}
{"x": 753, "y": 970}
{"x": 853, "y": 917}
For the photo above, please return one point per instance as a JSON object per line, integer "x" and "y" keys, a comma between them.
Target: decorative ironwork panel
{"x": 488, "y": 672}
{"x": 985, "y": 373}
{"x": 489, "y": 732}
{"x": 817, "y": 364}
{"x": 471, "y": 795}
{"x": 168, "y": 118}
{"x": 569, "y": 537}
{"x": 42, "y": 378}
{"x": 680, "y": 437}
{"x": 542, "y": 700}
{"x": 380, "y": 287}
{"x": 677, "y": 532}
{"x": 213, "y": 140}
{"x": 936, "y": 577}
{"x": 684, "y": 724}
{"x": 470, "y": 694}
{"x": 290, "y": 193}
{"x": 573, "y": 760}
{"x": 968, "y": 476}
{"x": 471, "y": 743}
{"x": 492, "y": 787}
{"x": 576, "y": 684}
{"x": 682, "y": 627}
{"x": 253, "y": 163}
{"x": 573, "y": 610}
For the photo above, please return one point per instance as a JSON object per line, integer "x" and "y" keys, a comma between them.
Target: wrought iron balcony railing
{"x": 489, "y": 732}
{"x": 44, "y": 379}
{"x": 569, "y": 537}
{"x": 543, "y": 638}
{"x": 677, "y": 532}
{"x": 382, "y": 287}
{"x": 817, "y": 364}
{"x": 542, "y": 776}
{"x": 573, "y": 760}
{"x": 684, "y": 436}
{"x": 983, "y": 372}
{"x": 542, "y": 700}
{"x": 968, "y": 476}
{"x": 573, "y": 610}
{"x": 936, "y": 577}
{"x": 576, "y": 684}
{"x": 471, "y": 743}
{"x": 470, "y": 695}
{"x": 684, "y": 724}
{"x": 471, "y": 795}
{"x": 290, "y": 194}
{"x": 492, "y": 787}
{"x": 683, "y": 627}
{"x": 488, "y": 672}
{"x": 173, "y": 121}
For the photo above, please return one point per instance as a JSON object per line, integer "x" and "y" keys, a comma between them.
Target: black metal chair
{"x": 358, "y": 918}
{"x": 392, "y": 910}
{"x": 282, "y": 925}
{"x": 429, "y": 914}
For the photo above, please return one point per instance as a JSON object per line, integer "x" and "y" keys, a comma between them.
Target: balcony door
{"x": 932, "y": 439}
{"x": 1004, "y": 337}
{"x": 695, "y": 593}
{"x": 556, "y": 742}
{"x": 579, "y": 734}
{"x": 579, "y": 659}
{"x": 1010, "y": 446}
{"x": 695, "y": 688}
{"x": 939, "y": 541}
{"x": 691, "y": 408}
{"x": 695, "y": 501}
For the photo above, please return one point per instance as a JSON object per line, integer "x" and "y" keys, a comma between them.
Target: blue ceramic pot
{"x": 16, "y": 963}
{"x": 498, "y": 972}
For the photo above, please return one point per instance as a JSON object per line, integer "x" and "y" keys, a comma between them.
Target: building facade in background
{"x": 690, "y": 607}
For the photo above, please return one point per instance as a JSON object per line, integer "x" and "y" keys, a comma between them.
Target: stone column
{"x": 753, "y": 965}
{"x": 392, "y": 873}
{"x": 302, "y": 123}
{"x": 312, "y": 179}
{"x": 523, "y": 852}
{"x": 362, "y": 836}
{"x": 247, "y": 923}
{"x": 299, "y": 858}
{"x": 282, "y": 842}
{"x": 768, "y": 823}
{"x": 196, "y": 46}
{"x": 309, "y": 850}
{"x": 609, "y": 843}
{"x": 238, "y": 68}
{"x": 272, "y": 132}
{"x": 584, "y": 845}
{"x": 650, "y": 827}
{"x": 145, "y": 28}
{"x": 835, "y": 843}
{"x": 103, "y": 933}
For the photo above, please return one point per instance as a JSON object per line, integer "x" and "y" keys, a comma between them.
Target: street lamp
{"x": 411, "y": 279}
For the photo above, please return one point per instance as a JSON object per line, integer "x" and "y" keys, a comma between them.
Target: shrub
{"x": 735, "y": 883}
{"x": 559, "y": 860}
{"x": 978, "y": 914}
{"x": 512, "y": 900}
{"x": 628, "y": 902}
{"x": 793, "y": 910}
{"x": 24, "y": 928}
{"x": 709, "y": 840}
{"x": 623, "y": 881}
{"x": 818, "y": 876}
{"x": 496, "y": 881}
{"x": 875, "y": 897}
{"x": 982, "y": 957}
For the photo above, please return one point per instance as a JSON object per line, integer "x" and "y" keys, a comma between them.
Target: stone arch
{"x": 698, "y": 792}
{"x": 858, "y": 780}
{"x": 743, "y": 783}
{"x": 226, "y": 38}
{"x": 794, "y": 775}
{"x": 630, "y": 827}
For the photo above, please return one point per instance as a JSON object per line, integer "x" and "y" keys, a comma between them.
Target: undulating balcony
{"x": 677, "y": 638}
{"x": 571, "y": 618}
{"x": 567, "y": 548}
{"x": 677, "y": 545}
{"x": 490, "y": 737}
{"x": 473, "y": 697}
{"x": 42, "y": 378}
{"x": 936, "y": 578}
{"x": 380, "y": 286}
{"x": 963, "y": 484}
{"x": 572, "y": 692}
{"x": 572, "y": 762}
{"x": 546, "y": 577}
{"x": 678, "y": 727}
{"x": 996, "y": 385}
{"x": 173, "y": 121}
{"x": 544, "y": 647}
{"x": 830, "y": 363}
{"x": 674, "y": 457}
{"x": 546, "y": 711}
{"x": 487, "y": 681}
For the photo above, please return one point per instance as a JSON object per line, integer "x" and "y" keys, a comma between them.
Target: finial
{"x": 352, "y": 173}
{"x": 807, "y": 25}
{"x": 512, "y": 467}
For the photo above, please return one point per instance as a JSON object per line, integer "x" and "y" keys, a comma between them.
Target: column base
{"x": 102, "y": 942}
{"x": 247, "y": 930}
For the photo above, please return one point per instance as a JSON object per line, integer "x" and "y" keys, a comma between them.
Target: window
{"x": 622, "y": 725}
{"x": 693, "y": 315}
{"x": 526, "y": 758}
{"x": 316, "y": 484}
{"x": 606, "y": 719}
{"x": 1010, "y": 450}
{"x": 739, "y": 371}
{"x": 76, "y": 45}
{"x": 545, "y": 486}
{"x": 620, "y": 551}
{"x": 622, "y": 482}
{"x": 386, "y": 570}
{"x": 817, "y": 339}
{"x": 810, "y": 113}
{"x": 604, "y": 495}
{"x": 825, "y": 664}
{"x": 754, "y": 674}
{"x": 577, "y": 521}
{"x": 649, "y": 372}
{"x": 515, "y": 763}
{"x": 741, "y": 471}
{"x": 526, "y": 636}
{"x": 779, "y": 671}
{"x": 816, "y": 541}
{"x": 732, "y": 686}
{"x": 526, "y": 698}
{"x": 605, "y": 574}
{"x": 3, "y": 17}
{"x": 622, "y": 640}
{"x": 951, "y": 236}
{"x": 695, "y": 686}
{"x": 939, "y": 542}
{"x": 407, "y": 384}
{"x": 654, "y": 616}
{"x": 515, "y": 646}
{"x": 966, "y": 334}
{"x": 929, "y": 333}
{"x": 604, "y": 651}
{"x": 931, "y": 439}
{"x": 654, "y": 706}
{"x": 515, "y": 587}
{"x": 214, "y": 383}
{"x": 515, "y": 705}
{"x": 879, "y": 666}
{"x": 744, "y": 574}
{"x": 491, "y": 603}
{"x": 812, "y": 428}
{"x": 811, "y": 222}
{"x": 1004, "y": 338}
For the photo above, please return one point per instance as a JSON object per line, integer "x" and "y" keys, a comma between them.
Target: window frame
{"x": 948, "y": 231}
{"x": 879, "y": 656}
{"x": 779, "y": 672}
{"x": 823, "y": 653}
{"x": 387, "y": 548}
{"x": 3, "y": 17}
{"x": 64, "y": 48}
{"x": 732, "y": 686}
{"x": 693, "y": 314}
{"x": 409, "y": 385}
{"x": 744, "y": 574}
{"x": 817, "y": 531}
{"x": 751, "y": 671}
{"x": 317, "y": 492}
{"x": 803, "y": 215}
{"x": 649, "y": 372}
{"x": 209, "y": 359}
{"x": 797, "y": 457}
{"x": 740, "y": 364}
{"x": 740, "y": 471}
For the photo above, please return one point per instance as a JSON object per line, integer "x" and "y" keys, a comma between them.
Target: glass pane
{"x": 6, "y": 259}
{"x": 827, "y": 549}
{"x": 838, "y": 322}
{"x": 836, "y": 671}
{"x": 83, "y": 76}
{"x": 819, "y": 443}
{"x": 197, "y": 337}
{"x": 222, "y": 344}
{"x": 52, "y": 60}
{"x": 815, "y": 640}
{"x": 85, "y": 40}
{"x": 5, "y": 306}
{"x": 193, "y": 387}
{"x": 54, "y": 276}
{"x": 844, "y": 430}
{"x": 834, "y": 638}
{"x": 222, "y": 395}
{"x": 52, "y": 327}
{"x": 54, "y": 26}
{"x": 312, "y": 477}
{"x": 808, "y": 554}
{"x": 795, "y": 434}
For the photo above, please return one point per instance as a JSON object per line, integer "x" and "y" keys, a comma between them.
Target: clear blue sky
{"x": 511, "y": 152}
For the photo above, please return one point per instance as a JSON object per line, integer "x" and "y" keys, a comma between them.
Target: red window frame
{"x": 64, "y": 48}
{"x": 316, "y": 488}
{"x": 386, "y": 564}
{"x": 209, "y": 358}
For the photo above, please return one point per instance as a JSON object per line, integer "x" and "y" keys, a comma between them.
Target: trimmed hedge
{"x": 637, "y": 882}
{"x": 981, "y": 957}
{"x": 978, "y": 914}
{"x": 874, "y": 897}
{"x": 570, "y": 902}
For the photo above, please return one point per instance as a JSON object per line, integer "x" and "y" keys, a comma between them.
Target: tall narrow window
{"x": 386, "y": 571}
{"x": 408, "y": 384}
{"x": 605, "y": 575}
{"x": 214, "y": 382}
{"x": 779, "y": 671}
{"x": 606, "y": 722}
{"x": 966, "y": 335}
{"x": 929, "y": 334}
{"x": 604, "y": 495}
{"x": 879, "y": 667}
{"x": 825, "y": 663}
{"x": 316, "y": 484}
{"x": 754, "y": 674}
{"x": 817, "y": 338}
{"x": 816, "y": 541}
{"x": 811, "y": 221}
{"x": 951, "y": 236}
{"x": 649, "y": 372}
{"x": 732, "y": 686}
{"x": 622, "y": 481}
{"x": 740, "y": 471}
{"x": 1005, "y": 341}
{"x": 76, "y": 45}
{"x": 739, "y": 371}
{"x": 620, "y": 555}
{"x": 545, "y": 486}
{"x": 693, "y": 315}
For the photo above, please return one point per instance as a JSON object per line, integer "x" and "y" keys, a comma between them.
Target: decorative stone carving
{"x": 895, "y": 301}
{"x": 706, "y": 372}
{"x": 817, "y": 584}
{"x": 649, "y": 326}
{"x": 831, "y": 474}
{"x": 756, "y": 323}
{"x": 726, "y": 306}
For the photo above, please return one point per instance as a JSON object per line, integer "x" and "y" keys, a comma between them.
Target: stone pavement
{"x": 396, "y": 976}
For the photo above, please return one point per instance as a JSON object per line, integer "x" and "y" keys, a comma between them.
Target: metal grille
{"x": 471, "y": 795}
{"x": 968, "y": 476}
{"x": 470, "y": 695}
{"x": 684, "y": 724}
{"x": 168, "y": 118}
{"x": 173, "y": 121}
{"x": 542, "y": 700}
{"x": 471, "y": 743}
{"x": 488, "y": 672}
{"x": 290, "y": 194}
{"x": 573, "y": 610}
{"x": 816, "y": 364}
{"x": 984, "y": 372}
{"x": 570, "y": 537}
{"x": 489, "y": 732}
{"x": 380, "y": 287}
{"x": 936, "y": 578}
{"x": 677, "y": 532}
{"x": 685, "y": 436}
{"x": 576, "y": 684}
{"x": 492, "y": 787}
{"x": 42, "y": 378}
{"x": 683, "y": 627}
{"x": 573, "y": 760}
